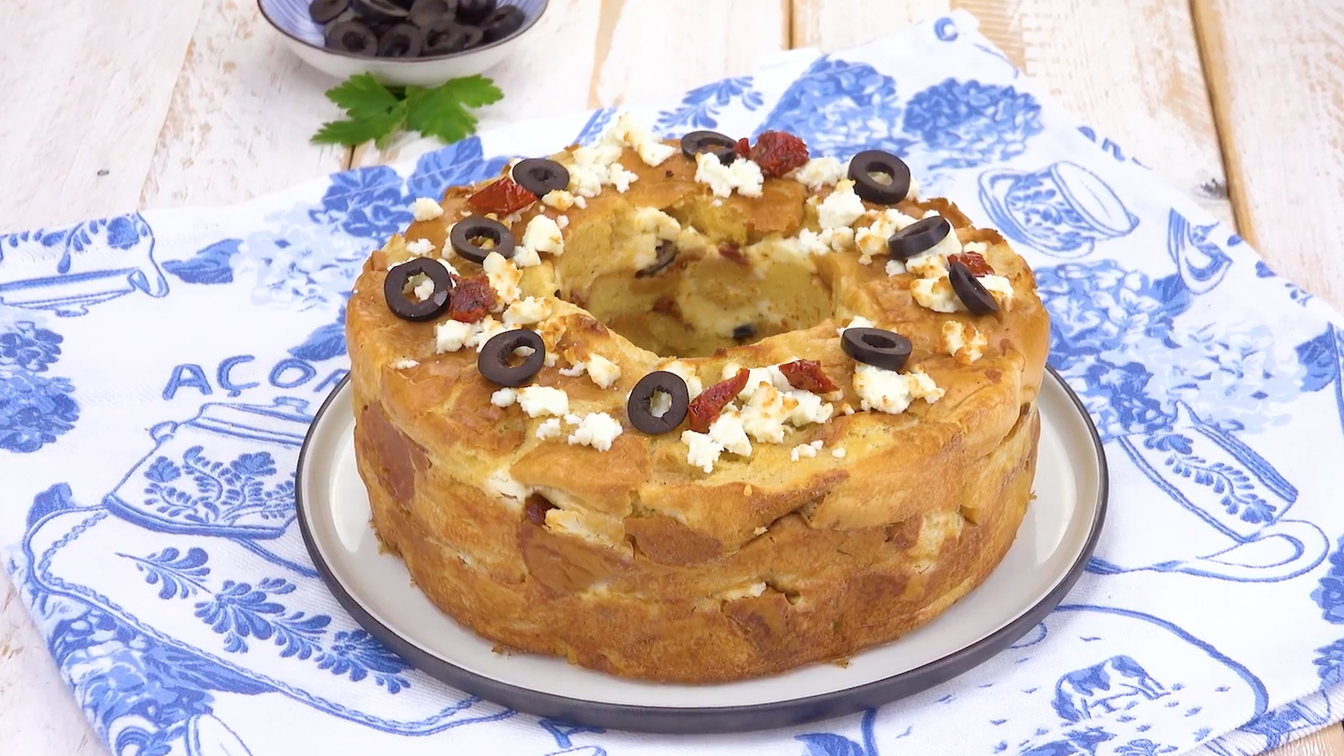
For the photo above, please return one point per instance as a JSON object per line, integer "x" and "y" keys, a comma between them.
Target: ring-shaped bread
{"x": 828, "y": 507}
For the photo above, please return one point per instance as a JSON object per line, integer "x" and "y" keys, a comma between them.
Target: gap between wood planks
{"x": 1209, "y": 45}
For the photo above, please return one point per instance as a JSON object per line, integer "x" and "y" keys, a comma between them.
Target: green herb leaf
{"x": 442, "y": 111}
{"x": 379, "y": 113}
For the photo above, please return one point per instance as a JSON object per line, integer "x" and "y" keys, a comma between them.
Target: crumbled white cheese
{"x": 841, "y": 207}
{"x": 858, "y": 321}
{"x": 838, "y": 452}
{"x": 651, "y": 220}
{"x": 980, "y": 248}
{"x": 913, "y": 192}
{"x": 936, "y": 294}
{"x": 742, "y": 174}
{"x": 892, "y": 392}
{"x": 621, "y": 178}
{"x": 686, "y": 372}
{"x": 810, "y": 243}
{"x": 769, "y": 375}
{"x": 501, "y": 483}
{"x": 629, "y": 132}
{"x": 504, "y": 278}
{"x": 541, "y": 235}
{"x": 527, "y": 311}
{"x": 543, "y": 400}
{"x": 422, "y": 287}
{"x": 805, "y": 450}
{"x": 603, "y": 371}
{"x": 930, "y": 264}
{"x": 764, "y": 415}
{"x": 755, "y": 590}
{"x": 485, "y": 330}
{"x": 404, "y": 364}
{"x": 559, "y": 199}
{"x": 447, "y": 265}
{"x": 895, "y": 267}
{"x": 420, "y": 247}
{"x": 872, "y": 239}
{"x": 809, "y": 408}
{"x": 964, "y": 343}
{"x": 504, "y": 397}
{"x": 660, "y": 403}
{"x": 574, "y": 370}
{"x": 999, "y": 287}
{"x": 452, "y": 335}
{"x": 728, "y": 432}
{"x": 596, "y": 429}
{"x": 549, "y": 428}
{"x": 426, "y": 209}
{"x": 819, "y": 172}
{"x": 594, "y": 167}
{"x": 701, "y": 450}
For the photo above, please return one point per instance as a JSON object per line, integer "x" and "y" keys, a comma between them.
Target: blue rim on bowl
{"x": 290, "y": 18}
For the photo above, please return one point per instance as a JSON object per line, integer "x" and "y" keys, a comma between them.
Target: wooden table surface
{"x": 160, "y": 103}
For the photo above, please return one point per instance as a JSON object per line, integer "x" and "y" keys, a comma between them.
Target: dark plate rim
{"x": 261, "y": 8}
{"x": 718, "y": 719}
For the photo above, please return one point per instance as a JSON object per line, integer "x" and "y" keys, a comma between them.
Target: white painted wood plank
{"x": 242, "y": 113}
{"x": 1277, "y": 76}
{"x": 588, "y": 54}
{"x": 86, "y": 86}
{"x": 1132, "y": 70}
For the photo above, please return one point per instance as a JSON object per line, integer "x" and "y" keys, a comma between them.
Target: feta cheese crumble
{"x": 596, "y": 429}
{"x": 728, "y": 432}
{"x": 743, "y": 175}
{"x": 936, "y": 294}
{"x": 629, "y": 132}
{"x": 420, "y": 247}
{"x": 549, "y": 428}
{"x": 603, "y": 371}
{"x": 819, "y": 172}
{"x": 964, "y": 343}
{"x": 892, "y": 392}
{"x": 452, "y": 335}
{"x": 841, "y": 207}
{"x": 543, "y": 400}
{"x": 404, "y": 364}
{"x": 701, "y": 450}
{"x": 505, "y": 397}
{"x": 504, "y": 277}
{"x": 426, "y": 209}
{"x": 527, "y": 312}
{"x": 808, "y": 451}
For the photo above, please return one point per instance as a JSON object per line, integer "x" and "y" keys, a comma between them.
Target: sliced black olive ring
{"x": 426, "y": 12}
{"x": 862, "y": 167}
{"x": 351, "y": 37}
{"x": 401, "y": 41}
{"x": 665, "y": 253}
{"x": 877, "y": 347}
{"x": 505, "y": 20}
{"x": 466, "y": 233}
{"x": 696, "y": 142}
{"x": 326, "y": 11}
{"x": 540, "y": 176}
{"x": 918, "y": 237}
{"x": 639, "y": 407}
{"x": 495, "y": 361}
{"x": 401, "y": 303}
{"x": 970, "y": 291}
{"x": 475, "y": 12}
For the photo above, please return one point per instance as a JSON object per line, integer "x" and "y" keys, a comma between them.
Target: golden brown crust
{"x": 633, "y": 561}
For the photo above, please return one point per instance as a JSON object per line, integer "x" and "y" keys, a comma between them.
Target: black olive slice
{"x": 444, "y": 37}
{"x": 666, "y": 252}
{"x": 918, "y": 237}
{"x": 696, "y": 142}
{"x": 352, "y": 37}
{"x": 862, "y": 167}
{"x": 971, "y": 292}
{"x": 496, "y": 359}
{"x": 401, "y": 41}
{"x": 381, "y": 11}
{"x": 467, "y": 233}
{"x": 874, "y": 346}
{"x": 404, "y": 304}
{"x": 322, "y": 11}
{"x": 744, "y": 332}
{"x": 426, "y": 12}
{"x": 474, "y": 12}
{"x": 506, "y": 20}
{"x": 639, "y": 407}
{"x": 540, "y": 176}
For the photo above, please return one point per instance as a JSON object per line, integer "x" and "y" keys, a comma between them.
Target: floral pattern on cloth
{"x": 168, "y": 576}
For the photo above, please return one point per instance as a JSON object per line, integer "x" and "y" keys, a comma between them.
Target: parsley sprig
{"x": 380, "y": 113}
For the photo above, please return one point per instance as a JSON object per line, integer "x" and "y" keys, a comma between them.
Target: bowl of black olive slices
{"x": 403, "y": 42}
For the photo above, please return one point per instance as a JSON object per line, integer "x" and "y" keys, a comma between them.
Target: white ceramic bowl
{"x": 304, "y": 37}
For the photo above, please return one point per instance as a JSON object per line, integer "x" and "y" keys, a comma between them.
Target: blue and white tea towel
{"x": 158, "y": 371}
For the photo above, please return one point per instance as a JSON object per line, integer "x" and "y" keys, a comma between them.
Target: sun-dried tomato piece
{"x": 778, "y": 152}
{"x": 742, "y": 148}
{"x": 501, "y": 198}
{"x": 707, "y": 406}
{"x": 730, "y": 251}
{"x": 472, "y": 299}
{"x": 974, "y": 262}
{"x": 807, "y": 375}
